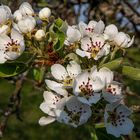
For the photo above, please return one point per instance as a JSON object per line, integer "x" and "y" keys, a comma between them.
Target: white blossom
{"x": 111, "y": 30}
{"x": 17, "y": 15}
{"x": 27, "y": 24}
{"x": 64, "y": 76}
{"x": 104, "y": 73}
{"x": 73, "y": 35}
{"x": 11, "y": 47}
{"x": 87, "y": 89}
{"x": 74, "y": 113}
{"x": 39, "y": 35}
{"x": 44, "y": 13}
{"x": 123, "y": 40}
{"x": 94, "y": 47}
{"x": 46, "y": 120}
{"x": 52, "y": 102}
{"x": 116, "y": 119}
{"x": 113, "y": 92}
{"x": 5, "y": 14}
{"x": 91, "y": 28}
{"x": 26, "y": 9}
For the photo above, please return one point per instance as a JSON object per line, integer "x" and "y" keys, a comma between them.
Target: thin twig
{"x": 13, "y": 105}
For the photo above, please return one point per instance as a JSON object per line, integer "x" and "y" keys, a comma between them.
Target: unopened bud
{"x": 17, "y": 15}
{"x": 39, "y": 35}
{"x": 44, "y": 13}
{"x": 26, "y": 9}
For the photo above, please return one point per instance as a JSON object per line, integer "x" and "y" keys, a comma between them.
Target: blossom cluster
{"x": 96, "y": 40}
{"x": 80, "y": 89}
{"x": 74, "y": 92}
{"x": 13, "y": 28}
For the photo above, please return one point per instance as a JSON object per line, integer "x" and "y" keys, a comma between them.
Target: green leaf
{"x": 39, "y": 74}
{"x": 113, "y": 65}
{"x": 53, "y": 35}
{"x": 59, "y": 22}
{"x": 131, "y": 72}
{"x": 102, "y": 135}
{"x": 11, "y": 69}
{"x": 61, "y": 39}
{"x": 61, "y": 25}
{"x": 57, "y": 37}
{"x": 134, "y": 54}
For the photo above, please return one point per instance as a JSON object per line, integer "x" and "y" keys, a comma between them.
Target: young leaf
{"x": 11, "y": 69}
{"x": 113, "y": 65}
{"x": 131, "y": 72}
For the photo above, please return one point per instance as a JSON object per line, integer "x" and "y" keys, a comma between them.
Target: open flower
{"x": 91, "y": 28}
{"x": 73, "y": 35}
{"x": 11, "y": 48}
{"x": 113, "y": 92}
{"x": 5, "y": 14}
{"x": 116, "y": 119}
{"x": 52, "y": 102}
{"x": 123, "y": 40}
{"x": 65, "y": 76}
{"x": 94, "y": 47}
{"x": 87, "y": 88}
{"x": 74, "y": 113}
{"x": 104, "y": 74}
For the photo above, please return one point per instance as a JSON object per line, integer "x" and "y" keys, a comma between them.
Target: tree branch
{"x": 13, "y": 105}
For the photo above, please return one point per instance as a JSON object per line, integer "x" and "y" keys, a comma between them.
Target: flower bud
{"x": 123, "y": 40}
{"x": 44, "y": 13}
{"x": 27, "y": 24}
{"x": 5, "y": 13}
{"x": 17, "y": 15}
{"x": 39, "y": 35}
{"x": 111, "y": 30}
{"x": 26, "y": 9}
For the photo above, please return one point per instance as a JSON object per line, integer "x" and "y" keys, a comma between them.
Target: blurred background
{"x": 24, "y": 123}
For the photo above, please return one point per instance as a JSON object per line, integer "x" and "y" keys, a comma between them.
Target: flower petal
{"x": 111, "y": 30}
{"x": 58, "y": 72}
{"x": 2, "y": 57}
{"x": 16, "y": 36}
{"x": 57, "y": 87}
{"x": 105, "y": 74}
{"x": 73, "y": 34}
{"x": 46, "y": 120}
{"x": 95, "y": 98}
{"x": 126, "y": 127}
{"x": 112, "y": 130}
{"x": 46, "y": 109}
{"x": 86, "y": 43}
{"x": 82, "y": 26}
{"x": 98, "y": 84}
{"x": 83, "y": 53}
{"x": 124, "y": 109}
{"x": 82, "y": 77}
{"x": 73, "y": 68}
{"x": 99, "y": 27}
